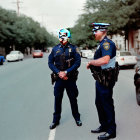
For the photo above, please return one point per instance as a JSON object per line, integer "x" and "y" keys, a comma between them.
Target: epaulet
{"x": 108, "y": 40}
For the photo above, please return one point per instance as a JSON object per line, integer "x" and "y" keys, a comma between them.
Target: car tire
{"x": 1, "y": 63}
{"x": 138, "y": 95}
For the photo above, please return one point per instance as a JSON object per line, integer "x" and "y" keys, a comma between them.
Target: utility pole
{"x": 43, "y": 19}
{"x": 18, "y": 6}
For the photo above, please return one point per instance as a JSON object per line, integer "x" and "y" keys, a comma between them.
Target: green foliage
{"x": 81, "y": 33}
{"x": 22, "y": 31}
{"x": 123, "y": 15}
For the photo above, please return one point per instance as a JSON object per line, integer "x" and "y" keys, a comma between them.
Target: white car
{"x": 14, "y": 56}
{"x": 86, "y": 53}
{"x": 90, "y": 55}
{"x": 125, "y": 58}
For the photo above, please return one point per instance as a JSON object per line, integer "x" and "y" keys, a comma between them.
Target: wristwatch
{"x": 66, "y": 72}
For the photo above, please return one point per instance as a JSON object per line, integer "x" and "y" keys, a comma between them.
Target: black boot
{"x": 53, "y": 125}
{"x": 78, "y": 122}
{"x": 98, "y": 130}
{"x": 106, "y": 136}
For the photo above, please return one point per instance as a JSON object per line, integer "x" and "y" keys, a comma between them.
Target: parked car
{"x": 137, "y": 84}
{"x": 86, "y": 53}
{"x": 90, "y": 55}
{"x": 37, "y": 54}
{"x": 125, "y": 58}
{"x": 14, "y": 56}
{"x": 2, "y": 59}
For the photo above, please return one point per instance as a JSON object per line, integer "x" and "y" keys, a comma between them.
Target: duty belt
{"x": 73, "y": 75}
{"x": 106, "y": 77}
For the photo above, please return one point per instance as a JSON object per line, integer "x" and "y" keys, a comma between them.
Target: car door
{"x": 128, "y": 58}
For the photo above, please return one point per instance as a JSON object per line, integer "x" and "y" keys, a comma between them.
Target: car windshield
{"x": 37, "y": 50}
{"x": 14, "y": 52}
{"x": 125, "y": 53}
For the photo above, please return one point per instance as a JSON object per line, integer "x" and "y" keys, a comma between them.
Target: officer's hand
{"x": 65, "y": 78}
{"x": 62, "y": 74}
{"x": 88, "y": 65}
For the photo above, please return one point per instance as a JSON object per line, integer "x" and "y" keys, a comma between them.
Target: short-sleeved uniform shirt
{"x": 106, "y": 47}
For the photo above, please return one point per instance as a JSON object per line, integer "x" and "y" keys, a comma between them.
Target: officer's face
{"x": 63, "y": 41}
{"x": 98, "y": 35}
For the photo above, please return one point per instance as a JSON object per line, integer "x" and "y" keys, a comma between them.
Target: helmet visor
{"x": 63, "y": 35}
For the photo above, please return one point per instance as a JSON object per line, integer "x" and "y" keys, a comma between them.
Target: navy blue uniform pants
{"x": 105, "y": 107}
{"x": 72, "y": 93}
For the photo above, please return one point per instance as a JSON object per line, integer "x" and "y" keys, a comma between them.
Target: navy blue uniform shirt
{"x": 70, "y": 51}
{"x": 106, "y": 47}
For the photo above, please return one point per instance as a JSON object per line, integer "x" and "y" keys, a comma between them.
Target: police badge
{"x": 70, "y": 50}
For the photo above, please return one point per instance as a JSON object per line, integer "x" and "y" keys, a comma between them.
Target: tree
{"x": 22, "y": 32}
{"x": 123, "y": 15}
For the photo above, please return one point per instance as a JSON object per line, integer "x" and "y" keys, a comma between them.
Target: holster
{"x": 96, "y": 72}
{"x": 109, "y": 77}
{"x": 54, "y": 77}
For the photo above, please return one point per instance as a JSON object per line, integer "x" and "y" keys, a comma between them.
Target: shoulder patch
{"x": 106, "y": 46}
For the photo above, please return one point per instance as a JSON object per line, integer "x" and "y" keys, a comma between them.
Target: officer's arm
{"x": 77, "y": 62}
{"x": 101, "y": 61}
{"x": 51, "y": 63}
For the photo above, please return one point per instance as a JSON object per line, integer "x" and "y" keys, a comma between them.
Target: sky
{"x": 52, "y": 14}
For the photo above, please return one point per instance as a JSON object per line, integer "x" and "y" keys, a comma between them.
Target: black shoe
{"x": 106, "y": 136}
{"x": 79, "y": 123}
{"x": 98, "y": 130}
{"x": 53, "y": 125}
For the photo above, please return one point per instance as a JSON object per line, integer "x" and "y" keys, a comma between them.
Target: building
{"x": 132, "y": 44}
{"x": 119, "y": 41}
{"x": 134, "y": 41}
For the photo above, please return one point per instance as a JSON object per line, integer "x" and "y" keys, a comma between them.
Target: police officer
{"x": 64, "y": 60}
{"x": 104, "y": 58}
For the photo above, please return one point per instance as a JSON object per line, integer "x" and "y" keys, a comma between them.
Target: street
{"x": 26, "y": 104}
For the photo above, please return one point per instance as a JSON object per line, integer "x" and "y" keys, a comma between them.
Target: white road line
{"x": 52, "y": 134}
